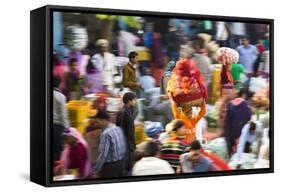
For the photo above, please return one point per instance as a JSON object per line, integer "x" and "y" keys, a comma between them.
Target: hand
{"x": 178, "y": 171}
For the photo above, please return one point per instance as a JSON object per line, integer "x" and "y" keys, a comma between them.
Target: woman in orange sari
{"x": 186, "y": 89}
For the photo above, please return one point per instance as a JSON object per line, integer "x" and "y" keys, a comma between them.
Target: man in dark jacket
{"x": 125, "y": 119}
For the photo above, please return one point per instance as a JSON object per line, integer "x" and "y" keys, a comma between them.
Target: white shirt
{"x": 246, "y": 136}
{"x": 152, "y": 166}
{"x": 59, "y": 109}
{"x": 106, "y": 65}
{"x": 222, "y": 33}
{"x": 147, "y": 82}
{"x": 238, "y": 28}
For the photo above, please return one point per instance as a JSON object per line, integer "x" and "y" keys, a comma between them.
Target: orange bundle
{"x": 186, "y": 83}
{"x": 186, "y": 89}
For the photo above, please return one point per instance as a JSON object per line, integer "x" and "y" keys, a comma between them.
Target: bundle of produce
{"x": 227, "y": 56}
{"x": 76, "y": 37}
{"x": 261, "y": 98}
{"x": 186, "y": 86}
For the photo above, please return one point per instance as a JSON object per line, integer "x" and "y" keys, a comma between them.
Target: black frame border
{"x": 49, "y": 9}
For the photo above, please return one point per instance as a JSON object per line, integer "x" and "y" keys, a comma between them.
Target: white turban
{"x": 102, "y": 43}
{"x": 231, "y": 56}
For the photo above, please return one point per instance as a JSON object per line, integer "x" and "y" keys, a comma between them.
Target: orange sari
{"x": 190, "y": 123}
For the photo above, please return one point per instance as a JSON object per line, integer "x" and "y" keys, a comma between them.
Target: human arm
{"x": 102, "y": 153}
{"x": 126, "y": 79}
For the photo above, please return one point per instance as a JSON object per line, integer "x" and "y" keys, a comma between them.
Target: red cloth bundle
{"x": 187, "y": 83}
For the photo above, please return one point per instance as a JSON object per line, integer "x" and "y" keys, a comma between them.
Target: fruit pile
{"x": 187, "y": 83}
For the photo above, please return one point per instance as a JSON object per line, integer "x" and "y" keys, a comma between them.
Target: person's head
{"x": 70, "y": 136}
{"x": 252, "y": 127}
{"x": 102, "y": 45}
{"x": 151, "y": 149}
{"x": 130, "y": 99}
{"x": 100, "y": 119}
{"x": 195, "y": 151}
{"x": 198, "y": 44}
{"x": 56, "y": 81}
{"x": 181, "y": 28}
{"x": 179, "y": 127}
{"x": 242, "y": 93}
{"x": 133, "y": 57}
{"x": 245, "y": 41}
{"x": 73, "y": 63}
{"x": 70, "y": 140}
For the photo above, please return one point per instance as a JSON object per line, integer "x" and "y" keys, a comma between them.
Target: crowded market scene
{"x": 142, "y": 96}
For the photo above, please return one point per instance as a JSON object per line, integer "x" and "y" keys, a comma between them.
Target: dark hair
{"x": 101, "y": 114}
{"x": 252, "y": 126}
{"x": 72, "y": 60}
{"x": 132, "y": 55}
{"x": 178, "y": 124}
{"x": 90, "y": 66}
{"x": 56, "y": 81}
{"x": 242, "y": 92}
{"x": 151, "y": 149}
{"x": 195, "y": 145}
{"x": 55, "y": 59}
{"x": 245, "y": 37}
{"x": 198, "y": 43}
{"x": 129, "y": 97}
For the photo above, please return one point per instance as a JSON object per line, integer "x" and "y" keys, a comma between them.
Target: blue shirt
{"x": 112, "y": 146}
{"x": 247, "y": 57}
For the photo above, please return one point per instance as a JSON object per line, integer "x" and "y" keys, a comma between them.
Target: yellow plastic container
{"x": 140, "y": 135}
{"x": 215, "y": 87}
{"x": 144, "y": 55}
{"x": 78, "y": 111}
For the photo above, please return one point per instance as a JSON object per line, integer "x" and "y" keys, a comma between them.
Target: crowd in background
{"x": 139, "y": 135}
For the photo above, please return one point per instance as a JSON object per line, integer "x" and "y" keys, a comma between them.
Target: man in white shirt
{"x": 60, "y": 119}
{"x": 105, "y": 64}
{"x": 251, "y": 132}
{"x": 151, "y": 164}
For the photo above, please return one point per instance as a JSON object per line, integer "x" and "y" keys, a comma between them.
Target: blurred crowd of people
{"x": 142, "y": 137}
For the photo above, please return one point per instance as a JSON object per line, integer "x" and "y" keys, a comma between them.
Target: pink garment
{"x": 237, "y": 101}
{"x": 60, "y": 70}
{"x": 64, "y": 157}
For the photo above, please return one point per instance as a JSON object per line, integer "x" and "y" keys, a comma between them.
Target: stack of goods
{"x": 227, "y": 56}
{"x": 76, "y": 37}
{"x": 78, "y": 112}
{"x": 140, "y": 135}
{"x": 215, "y": 83}
{"x": 186, "y": 89}
{"x": 186, "y": 86}
{"x": 113, "y": 104}
{"x": 261, "y": 98}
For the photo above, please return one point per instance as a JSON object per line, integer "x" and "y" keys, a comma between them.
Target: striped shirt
{"x": 172, "y": 148}
{"x": 112, "y": 146}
